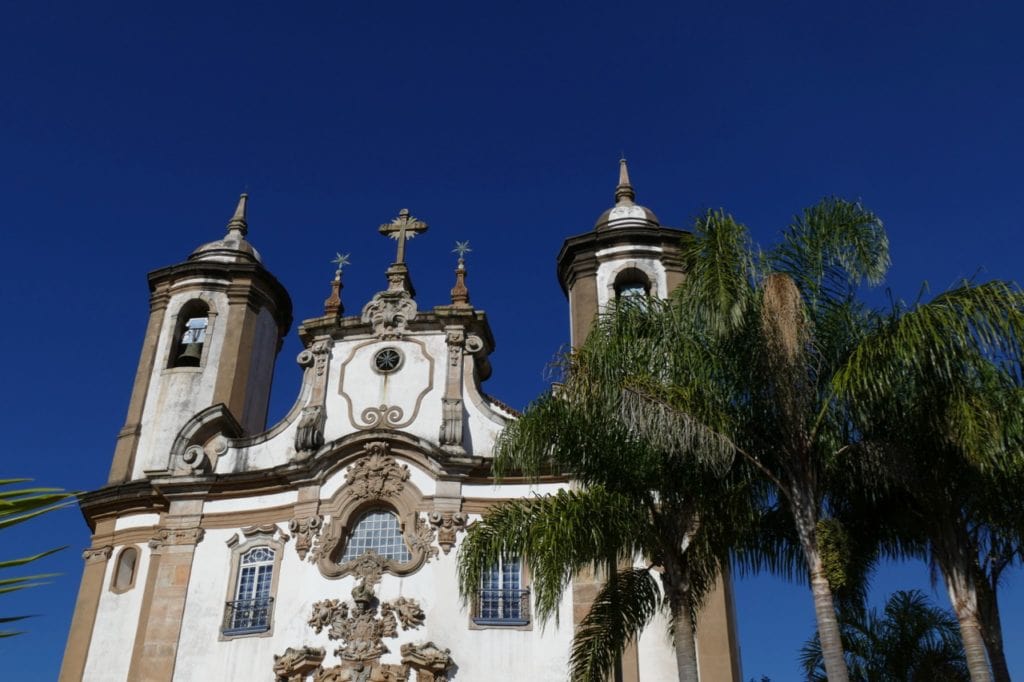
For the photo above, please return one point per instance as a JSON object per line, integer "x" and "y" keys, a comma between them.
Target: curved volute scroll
{"x": 202, "y": 441}
{"x": 309, "y": 436}
{"x": 379, "y": 491}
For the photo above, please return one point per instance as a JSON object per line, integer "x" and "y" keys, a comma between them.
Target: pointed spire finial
{"x": 333, "y": 306}
{"x": 460, "y": 293}
{"x": 238, "y": 221}
{"x": 624, "y": 193}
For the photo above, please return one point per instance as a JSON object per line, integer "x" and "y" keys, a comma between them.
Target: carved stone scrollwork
{"x": 430, "y": 661}
{"x": 390, "y": 312}
{"x": 294, "y": 665}
{"x": 455, "y": 338}
{"x": 176, "y": 536}
{"x": 384, "y": 416}
{"x": 421, "y": 539}
{"x": 448, "y": 525}
{"x": 377, "y": 475}
{"x": 94, "y": 554}
{"x": 363, "y": 625}
{"x": 321, "y": 351}
{"x": 195, "y": 461}
{"x": 451, "y": 422}
{"x": 310, "y": 433}
{"x": 474, "y": 344}
{"x": 305, "y": 532}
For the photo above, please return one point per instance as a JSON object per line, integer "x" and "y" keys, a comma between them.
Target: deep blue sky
{"x": 127, "y": 131}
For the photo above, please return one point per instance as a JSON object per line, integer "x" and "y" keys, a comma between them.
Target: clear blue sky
{"x": 127, "y": 131}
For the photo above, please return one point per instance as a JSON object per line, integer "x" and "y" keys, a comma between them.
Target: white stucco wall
{"x": 117, "y": 618}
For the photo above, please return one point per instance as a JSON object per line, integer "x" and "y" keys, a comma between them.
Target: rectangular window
{"x": 250, "y": 611}
{"x": 502, "y": 600}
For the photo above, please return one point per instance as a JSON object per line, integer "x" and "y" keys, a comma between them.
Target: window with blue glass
{"x": 377, "y": 531}
{"x": 252, "y": 607}
{"x": 502, "y": 599}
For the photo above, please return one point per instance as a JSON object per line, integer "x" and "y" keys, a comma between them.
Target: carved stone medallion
{"x": 448, "y": 525}
{"x": 377, "y": 475}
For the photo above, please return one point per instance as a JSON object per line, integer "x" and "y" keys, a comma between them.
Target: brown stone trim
{"x": 128, "y": 438}
{"x": 718, "y": 654}
{"x": 163, "y": 608}
{"x": 76, "y": 651}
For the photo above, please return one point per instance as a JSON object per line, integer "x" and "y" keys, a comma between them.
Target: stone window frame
{"x": 117, "y": 569}
{"x": 262, "y": 536}
{"x": 632, "y": 273}
{"x": 525, "y": 584}
{"x": 345, "y": 510}
{"x": 186, "y": 311}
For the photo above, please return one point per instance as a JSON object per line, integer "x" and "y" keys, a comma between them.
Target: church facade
{"x": 324, "y": 547}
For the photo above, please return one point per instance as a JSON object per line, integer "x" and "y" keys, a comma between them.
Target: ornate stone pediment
{"x": 377, "y": 475}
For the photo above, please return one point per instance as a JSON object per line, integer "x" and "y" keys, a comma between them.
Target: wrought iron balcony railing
{"x": 247, "y": 616}
{"x": 502, "y": 607}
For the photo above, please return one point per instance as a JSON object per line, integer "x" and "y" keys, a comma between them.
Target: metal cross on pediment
{"x": 401, "y": 228}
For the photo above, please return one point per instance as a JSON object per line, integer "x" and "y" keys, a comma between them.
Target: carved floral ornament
{"x": 377, "y": 475}
{"x": 361, "y": 626}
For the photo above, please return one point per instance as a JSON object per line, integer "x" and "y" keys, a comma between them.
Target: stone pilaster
{"x": 82, "y": 623}
{"x": 163, "y": 606}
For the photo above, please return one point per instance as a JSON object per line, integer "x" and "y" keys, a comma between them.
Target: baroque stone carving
{"x": 422, "y": 539}
{"x": 363, "y": 625}
{"x": 384, "y": 416}
{"x": 294, "y": 665}
{"x": 377, "y": 475}
{"x": 430, "y": 661}
{"x": 310, "y": 434}
{"x": 451, "y": 422}
{"x": 448, "y": 525}
{"x": 390, "y": 312}
{"x": 97, "y": 554}
{"x": 195, "y": 461}
{"x": 176, "y": 536}
{"x": 305, "y": 532}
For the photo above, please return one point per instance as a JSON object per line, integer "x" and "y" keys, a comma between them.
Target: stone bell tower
{"x": 215, "y": 326}
{"x": 630, "y": 253}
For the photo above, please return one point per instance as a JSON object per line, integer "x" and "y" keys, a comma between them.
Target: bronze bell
{"x": 190, "y": 356}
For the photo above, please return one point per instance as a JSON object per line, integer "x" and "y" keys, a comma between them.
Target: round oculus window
{"x": 387, "y": 360}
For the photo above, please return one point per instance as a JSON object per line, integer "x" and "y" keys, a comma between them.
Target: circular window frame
{"x": 376, "y": 368}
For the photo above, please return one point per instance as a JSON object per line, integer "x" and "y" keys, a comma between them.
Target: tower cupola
{"x": 232, "y": 247}
{"x": 628, "y": 253}
{"x": 626, "y": 212}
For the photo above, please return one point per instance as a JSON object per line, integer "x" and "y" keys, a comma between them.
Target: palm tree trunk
{"x": 682, "y": 640}
{"x": 991, "y": 628}
{"x": 964, "y": 598}
{"x": 824, "y": 607}
{"x": 828, "y": 624}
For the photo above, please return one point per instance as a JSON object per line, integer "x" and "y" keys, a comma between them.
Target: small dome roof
{"x": 625, "y": 212}
{"x": 233, "y": 247}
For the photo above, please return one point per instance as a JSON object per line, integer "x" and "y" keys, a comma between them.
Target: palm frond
{"x": 622, "y": 609}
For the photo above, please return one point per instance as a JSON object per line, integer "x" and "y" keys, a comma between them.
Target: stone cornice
{"x": 154, "y": 495}
{"x": 577, "y": 258}
{"x": 262, "y": 283}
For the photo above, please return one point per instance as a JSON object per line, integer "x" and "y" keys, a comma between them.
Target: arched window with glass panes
{"x": 252, "y": 607}
{"x": 378, "y": 531}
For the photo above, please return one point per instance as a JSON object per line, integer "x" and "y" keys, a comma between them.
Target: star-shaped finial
{"x": 462, "y": 248}
{"x": 341, "y": 260}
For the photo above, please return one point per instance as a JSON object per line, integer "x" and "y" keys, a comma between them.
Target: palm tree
{"x": 938, "y": 388}
{"x": 17, "y": 506}
{"x": 674, "y": 502}
{"x": 912, "y": 641}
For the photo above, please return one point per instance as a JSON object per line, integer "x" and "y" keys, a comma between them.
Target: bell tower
{"x": 628, "y": 253}
{"x": 216, "y": 323}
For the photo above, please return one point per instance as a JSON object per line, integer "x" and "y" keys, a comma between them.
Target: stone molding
{"x": 305, "y": 531}
{"x": 173, "y": 537}
{"x": 448, "y": 525}
{"x": 95, "y": 554}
